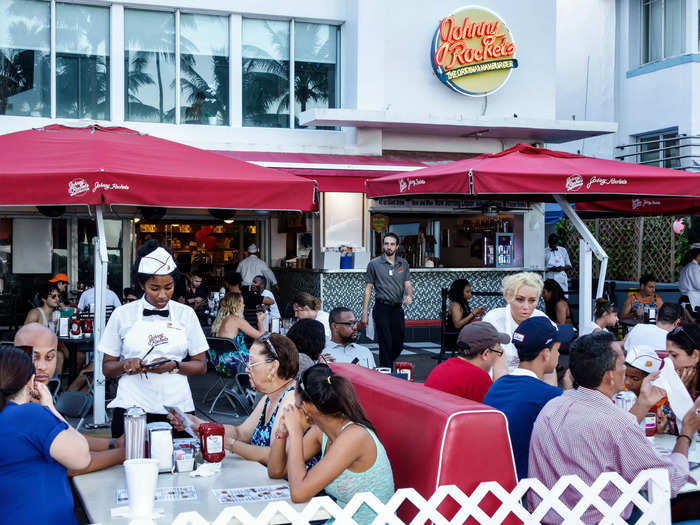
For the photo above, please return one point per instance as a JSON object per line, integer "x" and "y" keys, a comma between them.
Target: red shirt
{"x": 461, "y": 378}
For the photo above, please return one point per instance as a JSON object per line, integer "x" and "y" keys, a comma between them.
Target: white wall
{"x": 585, "y": 69}
{"x": 411, "y": 86}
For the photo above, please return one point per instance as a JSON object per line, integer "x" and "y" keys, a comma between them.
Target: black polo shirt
{"x": 388, "y": 279}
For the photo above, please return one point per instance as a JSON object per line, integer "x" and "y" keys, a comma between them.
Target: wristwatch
{"x": 176, "y": 370}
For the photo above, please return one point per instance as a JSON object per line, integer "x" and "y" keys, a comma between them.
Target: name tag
{"x": 391, "y": 271}
{"x": 175, "y": 325}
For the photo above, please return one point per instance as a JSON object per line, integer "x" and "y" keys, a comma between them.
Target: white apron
{"x": 147, "y": 390}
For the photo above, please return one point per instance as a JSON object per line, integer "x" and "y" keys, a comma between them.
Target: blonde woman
{"x": 229, "y": 324}
{"x": 522, "y": 293}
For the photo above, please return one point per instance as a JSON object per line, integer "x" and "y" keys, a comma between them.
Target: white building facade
{"x": 341, "y": 79}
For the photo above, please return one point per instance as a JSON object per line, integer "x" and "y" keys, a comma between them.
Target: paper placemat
{"x": 163, "y": 494}
{"x": 252, "y": 494}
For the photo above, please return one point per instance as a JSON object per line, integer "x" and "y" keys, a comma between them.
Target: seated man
{"x": 646, "y": 297}
{"x": 49, "y": 297}
{"x": 195, "y": 293}
{"x": 467, "y": 375}
{"x": 260, "y": 286}
{"x": 342, "y": 347}
{"x": 130, "y": 295}
{"x": 521, "y": 394}
{"x": 88, "y": 297}
{"x": 103, "y": 452}
{"x": 582, "y": 432}
{"x": 654, "y": 335}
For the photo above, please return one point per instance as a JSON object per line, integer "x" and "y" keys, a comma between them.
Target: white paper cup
{"x": 141, "y": 481}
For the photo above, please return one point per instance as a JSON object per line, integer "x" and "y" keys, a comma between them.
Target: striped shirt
{"x": 582, "y": 432}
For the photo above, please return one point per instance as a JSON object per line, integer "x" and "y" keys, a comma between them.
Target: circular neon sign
{"x": 473, "y": 51}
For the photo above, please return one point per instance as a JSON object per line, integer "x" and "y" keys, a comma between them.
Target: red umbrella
{"x": 93, "y": 165}
{"x": 527, "y": 173}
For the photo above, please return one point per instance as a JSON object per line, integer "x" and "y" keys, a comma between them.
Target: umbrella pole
{"x": 588, "y": 244}
{"x": 99, "y": 324}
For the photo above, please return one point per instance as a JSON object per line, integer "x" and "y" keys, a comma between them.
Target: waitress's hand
{"x": 165, "y": 368}
{"x": 132, "y": 366}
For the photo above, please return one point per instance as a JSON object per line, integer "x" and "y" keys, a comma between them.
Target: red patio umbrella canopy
{"x": 60, "y": 165}
{"x": 528, "y": 173}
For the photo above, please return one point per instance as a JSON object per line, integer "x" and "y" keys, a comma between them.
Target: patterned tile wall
{"x": 346, "y": 288}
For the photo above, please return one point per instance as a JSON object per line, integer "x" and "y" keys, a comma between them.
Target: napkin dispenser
{"x": 160, "y": 445}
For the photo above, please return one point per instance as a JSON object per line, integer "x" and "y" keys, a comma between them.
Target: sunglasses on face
{"x": 347, "y": 323}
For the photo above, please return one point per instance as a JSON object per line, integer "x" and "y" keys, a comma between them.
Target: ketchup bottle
{"x": 211, "y": 437}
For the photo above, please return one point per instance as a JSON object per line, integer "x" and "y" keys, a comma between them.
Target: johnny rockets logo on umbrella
{"x": 407, "y": 184}
{"x": 473, "y": 51}
{"x": 576, "y": 182}
{"x": 78, "y": 187}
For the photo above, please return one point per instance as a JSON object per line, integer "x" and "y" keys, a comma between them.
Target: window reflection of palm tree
{"x": 19, "y": 67}
{"x": 138, "y": 77}
{"x": 266, "y": 79}
{"x": 82, "y": 80}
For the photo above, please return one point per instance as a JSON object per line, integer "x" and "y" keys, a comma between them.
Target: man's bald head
{"x": 36, "y": 335}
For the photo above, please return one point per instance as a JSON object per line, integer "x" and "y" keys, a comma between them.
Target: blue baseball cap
{"x": 533, "y": 335}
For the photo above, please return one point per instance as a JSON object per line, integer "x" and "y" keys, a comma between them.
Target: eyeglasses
{"x": 265, "y": 338}
{"x": 249, "y": 366}
{"x": 679, "y": 330}
{"x": 499, "y": 352}
{"x": 54, "y": 296}
{"x": 347, "y": 323}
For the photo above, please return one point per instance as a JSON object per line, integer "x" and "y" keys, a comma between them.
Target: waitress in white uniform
{"x": 151, "y": 330}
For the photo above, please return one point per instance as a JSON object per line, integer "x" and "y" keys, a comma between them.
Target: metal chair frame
{"x": 232, "y": 388}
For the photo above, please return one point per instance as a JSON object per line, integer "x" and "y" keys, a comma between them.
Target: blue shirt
{"x": 520, "y": 398}
{"x": 34, "y": 487}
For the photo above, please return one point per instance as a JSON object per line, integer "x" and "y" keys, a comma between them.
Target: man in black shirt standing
{"x": 390, "y": 277}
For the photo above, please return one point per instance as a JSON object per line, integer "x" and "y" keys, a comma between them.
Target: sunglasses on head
{"x": 680, "y": 330}
{"x": 265, "y": 339}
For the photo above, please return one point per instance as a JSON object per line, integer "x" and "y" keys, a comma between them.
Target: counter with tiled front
{"x": 345, "y": 288}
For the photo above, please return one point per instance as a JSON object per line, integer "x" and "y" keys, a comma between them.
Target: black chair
{"x": 75, "y": 405}
{"x": 234, "y": 388}
{"x": 445, "y": 333}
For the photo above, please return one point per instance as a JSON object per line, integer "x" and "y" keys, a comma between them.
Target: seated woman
{"x": 306, "y": 306}
{"x": 38, "y": 446}
{"x": 310, "y": 339}
{"x": 459, "y": 313}
{"x": 683, "y": 346}
{"x": 605, "y": 317}
{"x": 229, "y": 324}
{"x": 353, "y": 459}
{"x": 103, "y": 452}
{"x": 556, "y": 306}
{"x": 272, "y": 367}
{"x": 646, "y": 297}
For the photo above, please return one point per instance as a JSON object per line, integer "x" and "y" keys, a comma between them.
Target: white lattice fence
{"x": 649, "y": 491}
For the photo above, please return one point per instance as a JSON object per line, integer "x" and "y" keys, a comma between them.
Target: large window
{"x": 25, "y": 60}
{"x": 149, "y": 66}
{"x": 660, "y": 149}
{"x": 82, "y": 61}
{"x": 204, "y": 78}
{"x": 663, "y": 29}
{"x": 267, "y": 54}
{"x": 265, "y": 73}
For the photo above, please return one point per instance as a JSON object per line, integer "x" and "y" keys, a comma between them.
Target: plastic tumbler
{"x": 141, "y": 480}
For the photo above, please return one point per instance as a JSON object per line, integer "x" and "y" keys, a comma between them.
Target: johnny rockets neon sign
{"x": 473, "y": 51}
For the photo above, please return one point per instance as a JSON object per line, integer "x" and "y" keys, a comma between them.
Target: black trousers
{"x": 118, "y": 423}
{"x": 390, "y": 330}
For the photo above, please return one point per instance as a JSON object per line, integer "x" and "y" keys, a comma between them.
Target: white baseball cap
{"x": 252, "y": 249}
{"x": 158, "y": 262}
{"x": 644, "y": 358}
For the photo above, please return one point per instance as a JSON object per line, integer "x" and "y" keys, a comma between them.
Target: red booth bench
{"x": 433, "y": 438}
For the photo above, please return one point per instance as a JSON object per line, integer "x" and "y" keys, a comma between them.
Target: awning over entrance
{"x": 515, "y": 128}
{"x": 94, "y": 165}
{"x": 340, "y": 173}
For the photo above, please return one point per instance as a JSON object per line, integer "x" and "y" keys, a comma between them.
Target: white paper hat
{"x": 644, "y": 358}
{"x": 252, "y": 249}
{"x": 158, "y": 262}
